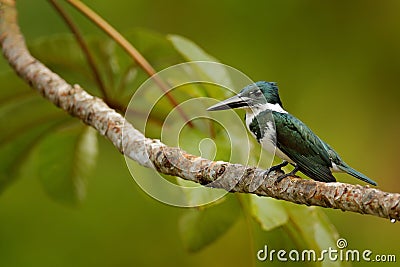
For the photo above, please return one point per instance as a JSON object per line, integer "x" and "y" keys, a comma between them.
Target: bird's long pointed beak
{"x": 236, "y": 101}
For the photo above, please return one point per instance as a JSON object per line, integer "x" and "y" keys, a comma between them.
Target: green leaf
{"x": 29, "y": 120}
{"x": 201, "y": 227}
{"x": 196, "y": 194}
{"x": 309, "y": 228}
{"x": 192, "y": 52}
{"x": 63, "y": 161}
{"x": 120, "y": 74}
{"x": 269, "y": 212}
{"x": 15, "y": 149}
{"x": 189, "y": 49}
{"x": 25, "y": 118}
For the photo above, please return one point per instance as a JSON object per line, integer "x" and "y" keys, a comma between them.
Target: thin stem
{"x": 85, "y": 49}
{"x": 131, "y": 50}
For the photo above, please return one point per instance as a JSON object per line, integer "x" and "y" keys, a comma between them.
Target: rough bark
{"x": 171, "y": 160}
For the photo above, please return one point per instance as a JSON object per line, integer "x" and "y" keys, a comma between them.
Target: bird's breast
{"x": 267, "y": 138}
{"x": 268, "y": 143}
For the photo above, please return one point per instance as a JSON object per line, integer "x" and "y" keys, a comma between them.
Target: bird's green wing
{"x": 302, "y": 146}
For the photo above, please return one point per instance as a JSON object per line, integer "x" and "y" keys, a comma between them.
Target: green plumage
{"x": 302, "y": 146}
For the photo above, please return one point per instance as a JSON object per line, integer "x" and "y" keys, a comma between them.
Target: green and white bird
{"x": 283, "y": 134}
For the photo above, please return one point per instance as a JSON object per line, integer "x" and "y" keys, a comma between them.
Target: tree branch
{"x": 174, "y": 161}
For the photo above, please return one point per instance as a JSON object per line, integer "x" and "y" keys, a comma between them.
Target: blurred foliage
{"x": 338, "y": 58}
{"x": 64, "y": 160}
{"x": 65, "y": 155}
{"x": 64, "y": 150}
{"x": 200, "y": 227}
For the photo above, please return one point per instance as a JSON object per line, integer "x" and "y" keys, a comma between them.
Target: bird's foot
{"x": 275, "y": 168}
{"x": 292, "y": 173}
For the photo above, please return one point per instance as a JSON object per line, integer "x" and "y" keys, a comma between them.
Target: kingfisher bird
{"x": 285, "y": 135}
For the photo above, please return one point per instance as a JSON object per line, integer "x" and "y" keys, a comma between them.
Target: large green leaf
{"x": 28, "y": 121}
{"x": 63, "y": 161}
{"x": 269, "y": 212}
{"x": 14, "y": 150}
{"x": 192, "y": 52}
{"x": 25, "y": 118}
{"x": 201, "y": 227}
{"x": 119, "y": 73}
{"x": 304, "y": 229}
{"x": 309, "y": 228}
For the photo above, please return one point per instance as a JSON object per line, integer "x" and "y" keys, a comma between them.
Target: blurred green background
{"x": 338, "y": 66}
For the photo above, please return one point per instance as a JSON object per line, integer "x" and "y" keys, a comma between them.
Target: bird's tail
{"x": 346, "y": 168}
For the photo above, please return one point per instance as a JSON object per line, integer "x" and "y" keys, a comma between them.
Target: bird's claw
{"x": 292, "y": 173}
{"x": 275, "y": 168}
{"x": 283, "y": 176}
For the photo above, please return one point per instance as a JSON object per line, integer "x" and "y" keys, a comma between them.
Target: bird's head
{"x": 259, "y": 95}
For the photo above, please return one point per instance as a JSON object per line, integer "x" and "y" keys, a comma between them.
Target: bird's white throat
{"x": 268, "y": 142}
{"x": 267, "y": 106}
{"x": 255, "y": 110}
